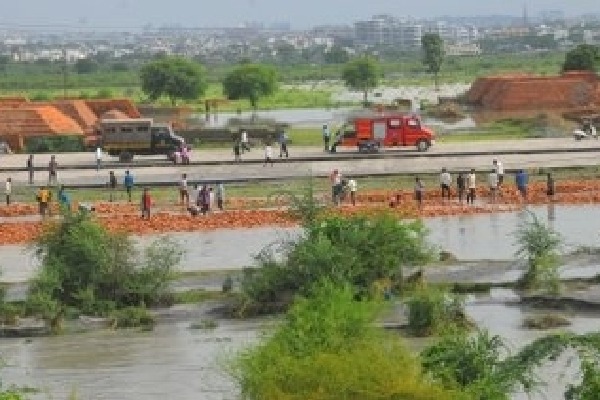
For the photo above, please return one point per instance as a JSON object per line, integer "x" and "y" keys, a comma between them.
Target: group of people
{"x": 241, "y": 144}
{"x": 205, "y": 198}
{"x": 341, "y": 187}
{"x": 466, "y": 184}
{"x": 52, "y": 170}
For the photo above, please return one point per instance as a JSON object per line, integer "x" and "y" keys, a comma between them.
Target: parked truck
{"x": 371, "y": 133}
{"x": 126, "y": 138}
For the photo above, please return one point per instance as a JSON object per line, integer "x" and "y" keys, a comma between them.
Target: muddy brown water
{"x": 174, "y": 361}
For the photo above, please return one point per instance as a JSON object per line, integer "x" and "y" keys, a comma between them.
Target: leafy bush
{"x": 360, "y": 250}
{"x": 86, "y": 267}
{"x": 328, "y": 348}
{"x": 538, "y": 245}
{"x": 54, "y": 144}
{"x": 482, "y": 367}
{"x": 430, "y": 311}
{"x": 132, "y": 317}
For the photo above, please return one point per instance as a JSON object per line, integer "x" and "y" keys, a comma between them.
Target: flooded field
{"x": 178, "y": 362}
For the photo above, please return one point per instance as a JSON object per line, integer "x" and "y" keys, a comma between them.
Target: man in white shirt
{"x": 98, "y": 158}
{"x": 244, "y": 141}
{"x": 499, "y": 169}
{"x": 493, "y": 181}
{"x": 268, "y": 154}
{"x": 352, "y": 187}
{"x": 445, "y": 183}
{"x": 8, "y": 190}
{"x": 472, "y": 185}
{"x": 336, "y": 186}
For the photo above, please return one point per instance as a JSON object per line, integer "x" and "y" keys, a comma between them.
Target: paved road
{"x": 170, "y": 173}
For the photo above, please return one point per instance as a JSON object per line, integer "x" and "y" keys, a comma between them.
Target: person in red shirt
{"x": 146, "y": 203}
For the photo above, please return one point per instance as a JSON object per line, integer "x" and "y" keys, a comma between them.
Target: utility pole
{"x": 65, "y": 72}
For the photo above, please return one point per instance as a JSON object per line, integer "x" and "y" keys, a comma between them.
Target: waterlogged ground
{"x": 175, "y": 360}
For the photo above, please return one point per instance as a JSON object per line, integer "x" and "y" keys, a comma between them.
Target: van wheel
{"x": 422, "y": 145}
{"x": 125, "y": 156}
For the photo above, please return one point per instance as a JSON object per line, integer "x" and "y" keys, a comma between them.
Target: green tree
{"x": 584, "y": 57}
{"x": 250, "y": 81}
{"x": 85, "y": 66}
{"x": 88, "y": 268}
{"x": 175, "y": 77}
{"x": 433, "y": 54}
{"x": 361, "y": 74}
{"x": 336, "y": 55}
{"x": 328, "y": 348}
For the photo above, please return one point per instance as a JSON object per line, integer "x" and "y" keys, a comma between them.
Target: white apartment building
{"x": 387, "y": 30}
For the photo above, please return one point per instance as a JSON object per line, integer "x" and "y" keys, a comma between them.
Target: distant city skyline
{"x": 106, "y": 14}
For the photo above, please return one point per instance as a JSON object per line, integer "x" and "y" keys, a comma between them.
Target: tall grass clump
{"x": 538, "y": 245}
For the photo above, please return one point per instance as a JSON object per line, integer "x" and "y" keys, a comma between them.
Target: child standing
{"x": 146, "y": 204}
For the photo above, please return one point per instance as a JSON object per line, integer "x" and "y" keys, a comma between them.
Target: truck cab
{"x": 372, "y": 133}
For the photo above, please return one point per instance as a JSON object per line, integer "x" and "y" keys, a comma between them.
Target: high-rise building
{"x": 389, "y": 31}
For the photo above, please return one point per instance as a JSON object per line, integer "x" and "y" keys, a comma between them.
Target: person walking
{"x": 52, "y": 171}
{"x": 460, "y": 186}
{"x": 98, "y": 158}
{"x": 146, "y": 204}
{"x": 112, "y": 185}
{"x": 63, "y": 199}
{"x": 268, "y": 154}
{"x": 493, "y": 182}
{"x": 30, "y": 168}
{"x": 550, "y": 186}
{"x": 472, "y": 186}
{"x": 326, "y": 137}
{"x": 283, "y": 144}
{"x": 8, "y": 190}
{"x": 220, "y": 195}
{"x": 419, "y": 189}
{"x": 185, "y": 155}
{"x": 128, "y": 182}
{"x": 43, "y": 198}
{"x": 184, "y": 195}
{"x": 521, "y": 180}
{"x": 237, "y": 151}
{"x": 352, "y": 187}
{"x": 445, "y": 183}
{"x": 244, "y": 141}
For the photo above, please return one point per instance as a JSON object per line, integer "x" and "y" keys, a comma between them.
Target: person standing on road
{"x": 472, "y": 184}
{"x": 30, "y": 168}
{"x": 184, "y": 195}
{"x": 445, "y": 182}
{"x": 112, "y": 185}
{"x": 352, "y": 187}
{"x": 493, "y": 182}
{"x": 98, "y": 158}
{"x": 419, "y": 189}
{"x": 204, "y": 199}
{"x": 8, "y": 190}
{"x": 460, "y": 186}
{"x": 326, "y": 137}
{"x": 128, "y": 182}
{"x": 146, "y": 204}
{"x": 244, "y": 141}
{"x": 283, "y": 144}
{"x": 52, "y": 170}
{"x": 268, "y": 154}
{"x": 521, "y": 180}
{"x": 550, "y": 186}
{"x": 220, "y": 195}
{"x": 185, "y": 155}
{"x": 237, "y": 151}
{"x": 499, "y": 169}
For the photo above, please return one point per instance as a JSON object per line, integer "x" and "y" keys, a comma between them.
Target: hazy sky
{"x": 301, "y": 13}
